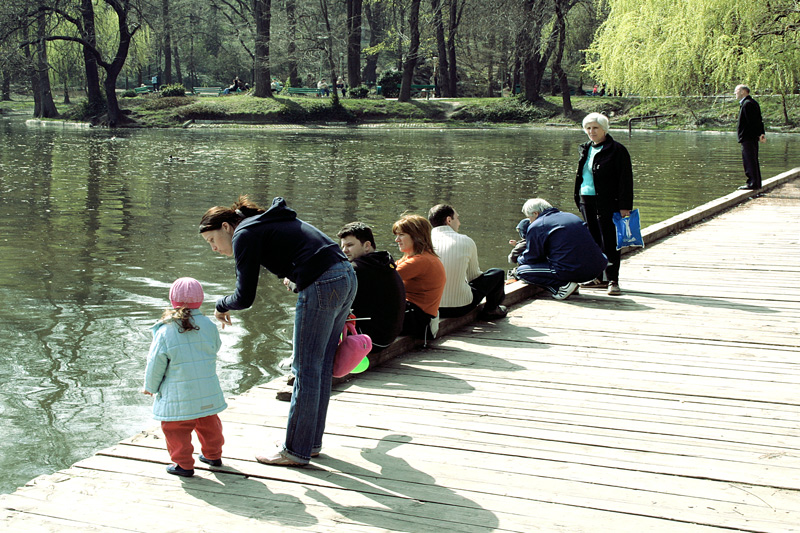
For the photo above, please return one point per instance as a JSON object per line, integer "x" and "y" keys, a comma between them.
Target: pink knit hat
{"x": 186, "y": 292}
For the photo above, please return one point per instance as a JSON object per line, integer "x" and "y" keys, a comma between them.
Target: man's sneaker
{"x": 565, "y": 291}
{"x": 613, "y": 288}
{"x": 212, "y": 462}
{"x": 499, "y": 312}
{"x": 176, "y": 470}
{"x": 596, "y": 283}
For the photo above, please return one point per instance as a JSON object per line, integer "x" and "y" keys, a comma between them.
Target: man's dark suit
{"x": 749, "y": 129}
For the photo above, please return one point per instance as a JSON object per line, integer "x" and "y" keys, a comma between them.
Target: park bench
{"x": 142, "y": 90}
{"x": 207, "y": 91}
{"x": 302, "y": 90}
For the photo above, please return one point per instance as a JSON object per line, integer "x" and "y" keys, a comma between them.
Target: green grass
{"x": 683, "y": 113}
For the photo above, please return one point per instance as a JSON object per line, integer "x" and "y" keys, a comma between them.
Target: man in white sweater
{"x": 466, "y": 285}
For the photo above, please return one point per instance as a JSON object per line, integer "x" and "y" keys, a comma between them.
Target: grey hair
{"x": 596, "y": 117}
{"x": 744, "y": 88}
{"x": 535, "y": 205}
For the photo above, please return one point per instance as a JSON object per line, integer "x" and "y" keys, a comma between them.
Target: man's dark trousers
{"x": 750, "y": 160}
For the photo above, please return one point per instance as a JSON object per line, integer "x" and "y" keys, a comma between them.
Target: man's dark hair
{"x": 438, "y": 214}
{"x": 360, "y": 231}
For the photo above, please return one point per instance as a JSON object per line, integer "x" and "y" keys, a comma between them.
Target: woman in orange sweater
{"x": 422, "y": 272}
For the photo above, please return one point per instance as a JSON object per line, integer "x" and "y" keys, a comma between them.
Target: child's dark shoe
{"x": 212, "y": 462}
{"x": 176, "y": 470}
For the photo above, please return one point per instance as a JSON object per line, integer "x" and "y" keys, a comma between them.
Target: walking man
{"x": 750, "y": 131}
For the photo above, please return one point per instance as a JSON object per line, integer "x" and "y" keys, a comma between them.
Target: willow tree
{"x": 661, "y": 47}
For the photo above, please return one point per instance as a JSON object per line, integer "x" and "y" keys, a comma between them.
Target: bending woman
{"x": 326, "y": 284}
{"x": 422, "y": 272}
{"x": 603, "y": 186}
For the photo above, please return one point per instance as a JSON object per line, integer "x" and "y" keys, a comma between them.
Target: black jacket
{"x": 613, "y": 176}
{"x": 750, "y": 125}
{"x": 284, "y": 245}
{"x": 381, "y": 297}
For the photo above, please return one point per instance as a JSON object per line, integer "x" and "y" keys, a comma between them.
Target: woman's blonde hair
{"x": 182, "y": 315}
{"x": 419, "y": 229}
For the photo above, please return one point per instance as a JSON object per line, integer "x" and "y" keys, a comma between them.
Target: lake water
{"x": 95, "y": 225}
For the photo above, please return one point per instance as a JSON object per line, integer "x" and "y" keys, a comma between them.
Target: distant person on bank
{"x": 603, "y": 186}
{"x": 292, "y": 249}
{"x": 466, "y": 284}
{"x": 560, "y": 252}
{"x": 182, "y": 375}
{"x": 750, "y": 132}
{"x": 422, "y": 272}
{"x": 380, "y": 302}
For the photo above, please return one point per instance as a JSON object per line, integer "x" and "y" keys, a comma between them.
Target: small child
{"x": 519, "y": 246}
{"x": 181, "y": 372}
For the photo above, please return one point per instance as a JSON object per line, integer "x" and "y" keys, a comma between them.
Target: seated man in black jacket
{"x": 381, "y": 296}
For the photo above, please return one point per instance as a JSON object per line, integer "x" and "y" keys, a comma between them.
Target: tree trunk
{"x": 413, "y": 50}
{"x": 291, "y": 18}
{"x": 261, "y": 78}
{"x": 561, "y": 26}
{"x": 178, "y": 73}
{"x": 323, "y": 5}
{"x": 48, "y": 106}
{"x": 354, "y": 8}
{"x": 441, "y": 83}
{"x": 167, "y": 42}
{"x": 455, "y": 16}
{"x": 529, "y": 46}
{"x": 115, "y": 67}
{"x": 375, "y": 18}
{"x": 33, "y": 77}
{"x": 66, "y": 92}
{"x": 785, "y": 112}
{"x": 6, "y": 86}
{"x": 93, "y": 94}
{"x": 490, "y": 68}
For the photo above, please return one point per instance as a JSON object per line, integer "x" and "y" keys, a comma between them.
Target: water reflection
{"x": 95, "y": 225}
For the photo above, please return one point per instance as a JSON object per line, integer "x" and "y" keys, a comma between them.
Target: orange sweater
{"x": 424, "y": 278}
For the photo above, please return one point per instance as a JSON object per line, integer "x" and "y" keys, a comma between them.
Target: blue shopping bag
{"x": 629, "y": 230}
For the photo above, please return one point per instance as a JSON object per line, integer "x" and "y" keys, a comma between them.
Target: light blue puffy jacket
{"x": 182, "y": 371}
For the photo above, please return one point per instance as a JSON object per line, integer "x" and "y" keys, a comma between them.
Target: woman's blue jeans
{"x": 321, "y": 311}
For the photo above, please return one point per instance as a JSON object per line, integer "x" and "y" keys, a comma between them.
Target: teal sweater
{"x": 182, "y": 371}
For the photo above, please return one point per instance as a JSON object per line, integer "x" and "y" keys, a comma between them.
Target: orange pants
{"x": 179, "y": 439}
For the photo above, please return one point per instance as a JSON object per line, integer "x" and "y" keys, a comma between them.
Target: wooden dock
{"x": 675, "y": 407}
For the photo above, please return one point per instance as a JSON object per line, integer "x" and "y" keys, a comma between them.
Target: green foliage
{"x": 389, "y": 80}
{"x": 83, "y": 111}
{"x": 130, "y": 93}
{"x": 362, "y": 91}
{"x": 175, "y": 89}
{"x": 659, "y": 47}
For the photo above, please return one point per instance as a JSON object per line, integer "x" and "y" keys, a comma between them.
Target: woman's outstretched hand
{"x": 225, "y": 318}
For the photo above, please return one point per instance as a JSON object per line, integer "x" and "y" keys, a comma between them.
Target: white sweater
{"x": 459, "y": 255}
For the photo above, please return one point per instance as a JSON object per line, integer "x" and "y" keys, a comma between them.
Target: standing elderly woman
{"x": 326, "y": 284}
{"x": 603, "y": 186}
{"x": 422, "y": 272}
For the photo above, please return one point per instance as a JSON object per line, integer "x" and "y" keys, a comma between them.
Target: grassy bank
{"x": 681, "y": 113}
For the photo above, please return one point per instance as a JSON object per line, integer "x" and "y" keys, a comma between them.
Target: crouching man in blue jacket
{"x": 560, "y": 251}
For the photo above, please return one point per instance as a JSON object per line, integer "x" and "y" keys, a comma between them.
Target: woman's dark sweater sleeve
{"x": 248, "y": 268}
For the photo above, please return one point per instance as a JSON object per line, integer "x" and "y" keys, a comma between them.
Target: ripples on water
{"x": 95, "y": 225}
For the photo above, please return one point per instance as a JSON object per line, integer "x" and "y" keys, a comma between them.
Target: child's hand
{"x": 147, "y": 392}
{"x": 512, "y": 242}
